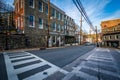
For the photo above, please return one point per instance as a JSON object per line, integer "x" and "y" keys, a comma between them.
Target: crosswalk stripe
{"x": 27, "y": 68}
{"x": 9, "y": 69}
{"x": 13, "y": 55}
{"x": 41, "y": 76}
{"x": 102, "y": 64}
{"x": 26, "y": 64}
{"x": 25, "y": 61}
{"x": 101, "y": 60}
{"x": 20, "y": 57}
{"x": 21, "y": 64}
{"x": 33, "y": 71}
{"x": 103, "y": 71}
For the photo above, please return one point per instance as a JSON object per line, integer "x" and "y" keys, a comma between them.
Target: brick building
{"x": 111, "y": 33}
{"x": 31, "y": 17}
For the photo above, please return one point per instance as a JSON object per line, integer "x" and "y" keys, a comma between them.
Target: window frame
{"x": 39, "y": 6}
{"x": 32, "y": 22}
{"x": 33, "y": 4}
{"x": 40, "y": 25}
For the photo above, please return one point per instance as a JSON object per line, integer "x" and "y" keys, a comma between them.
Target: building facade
{"x": 31, "y": 17}
{"x": 111, "y": 33}
{"x": 70, "y": 30}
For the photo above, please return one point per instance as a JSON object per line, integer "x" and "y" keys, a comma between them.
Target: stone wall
{"x": 12, "y": 41}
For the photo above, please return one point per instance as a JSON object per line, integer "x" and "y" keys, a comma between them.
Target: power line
{"x": 81, "y": 9}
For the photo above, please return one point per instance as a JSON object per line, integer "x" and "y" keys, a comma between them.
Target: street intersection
{"x": 72, "y": 63}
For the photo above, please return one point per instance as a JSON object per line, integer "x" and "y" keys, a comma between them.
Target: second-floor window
{"x": 40, "y": 23}
{"x": 54, "y": 26}
{"x": 31, "y": 3}
{"x": 53, "y": 14}
{"x": 46, "y": 9}
{"x": 59, "y": 27}
{"x": 31, "y": 20}
{"x": 40, "y": 6}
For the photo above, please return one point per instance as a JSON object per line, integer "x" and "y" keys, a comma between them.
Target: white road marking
{"x": 9, "y": 68}
{"x": 30, "y": 67}
{"x": 12, "y": 73}
{"x": 97, "y": 56}
{"x": 14, "y": 55}
{"x": 104, "y": 71}
{"x": 25, "y": 61}
{"x": 40, "y": 76}
{"x": 108, "y": 50}
{"x": 20, "y": 58}
{"x": 118, "y": 50}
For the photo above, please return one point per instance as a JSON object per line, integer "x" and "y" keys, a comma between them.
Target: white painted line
{"x": 12, "y": 73}
{"x": 102, "y": 64}
{"x": 25, "y": 61}
{"x": 104, "y": 71}
{"x": 96, "y": 59}
{"x": 108, "y": 50}
{"x": 86, "y": 76}
{"x": 20, "y": 57}
{"x": 30, "y": 67}
{"x": 101, "y": 57}
{"x": 52, "y": 65}
{"x": 118, "y": 50}
{"x": 9, "y": 68}
{"x": 41, "y": 76}
{"x": 17, "y": 54}
{"x": 69, "y": 75}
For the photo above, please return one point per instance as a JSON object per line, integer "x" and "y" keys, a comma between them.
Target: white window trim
{"x": 58, "y": 16}
{"x": 41, "y": 26}
{"x": 33, "y": 5}
{"x": 55, "y": 27}
{"x": 55, "y": 14}
{"x": 42, "y": 7}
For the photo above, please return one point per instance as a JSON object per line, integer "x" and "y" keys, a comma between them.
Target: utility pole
{"x": 81, "y": 29}
{"x": 48, "y": 34}
{"x": 96, "y": 36}
{"x": 90, "y": 35}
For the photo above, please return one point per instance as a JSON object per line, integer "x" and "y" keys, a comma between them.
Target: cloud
{"x": 94, "y": 9}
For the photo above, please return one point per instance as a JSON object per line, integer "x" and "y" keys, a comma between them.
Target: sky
{"x": 97, "y": 10}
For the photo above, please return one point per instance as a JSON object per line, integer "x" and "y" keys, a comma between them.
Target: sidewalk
{"x": 28, "y": 49}
{"x": 98, "y": 66}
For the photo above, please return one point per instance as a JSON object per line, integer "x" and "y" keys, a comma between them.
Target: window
{"x": 40, "y": 6}
{"x": 54, "y": 26}
{"x": 46, "y": 9}
{"x": 31, "y": 3}
{"x": 62, "y": 29}
{"x": 58, "y": 16}
{"x": 40, "y": 23}
{"x": 62, "y": 17}
{"x": 59, "y": 27}
{"x": 31, "y": 21}
{"x": 53, "y": 13}
{"x": 54, "y": 38}
{"x": 46, "y": 27}
{"x": 117, "y": 37}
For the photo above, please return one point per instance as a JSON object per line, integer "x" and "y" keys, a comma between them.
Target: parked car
{"x": 88, "y": 44}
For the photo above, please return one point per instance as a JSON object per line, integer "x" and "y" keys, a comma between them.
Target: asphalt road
{"x": 62, "y": 56}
